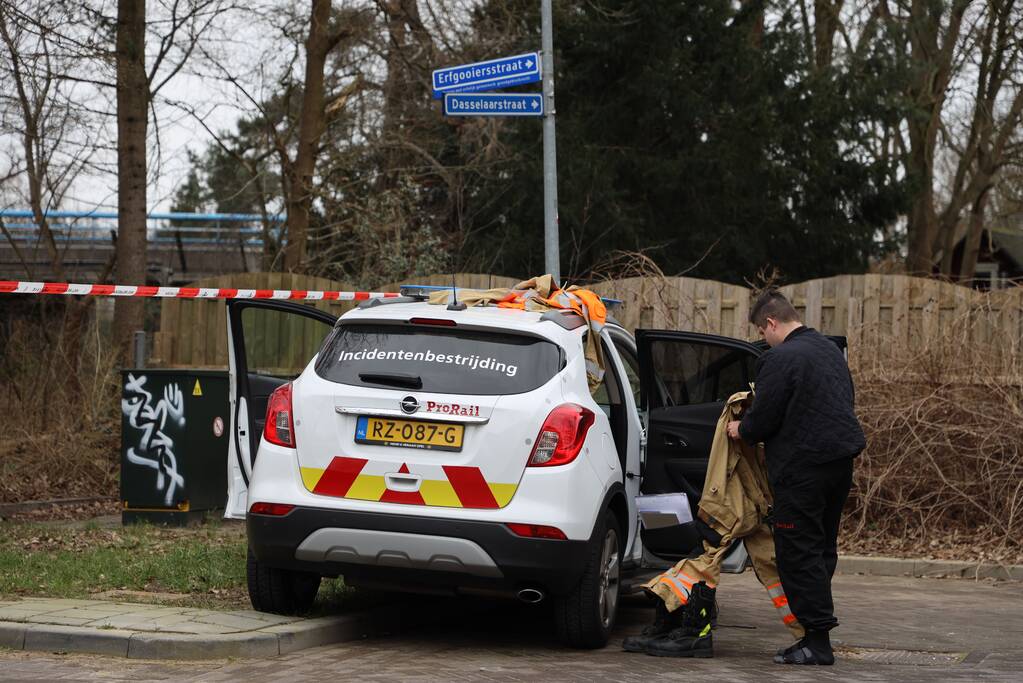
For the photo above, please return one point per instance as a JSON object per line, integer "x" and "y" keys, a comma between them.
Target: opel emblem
{"x": 409, "y": 405}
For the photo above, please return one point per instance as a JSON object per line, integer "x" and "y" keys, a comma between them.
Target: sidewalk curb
{"x": 895, "y": 566}
{"x": 261, "y": 643}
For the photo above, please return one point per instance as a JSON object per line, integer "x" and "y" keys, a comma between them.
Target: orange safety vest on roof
{"x": 541, "y": 290}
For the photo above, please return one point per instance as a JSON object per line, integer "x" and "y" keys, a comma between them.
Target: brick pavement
{"x": 973, "y": 630}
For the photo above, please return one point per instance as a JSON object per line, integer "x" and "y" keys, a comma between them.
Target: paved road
{"x": 954, "y": 630}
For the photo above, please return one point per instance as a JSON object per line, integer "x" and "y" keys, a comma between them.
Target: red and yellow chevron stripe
{"x": 464, "y": 487}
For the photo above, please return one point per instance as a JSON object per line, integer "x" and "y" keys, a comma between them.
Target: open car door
{"x": 269, "y": 343}
{"x": 685, "y": 379}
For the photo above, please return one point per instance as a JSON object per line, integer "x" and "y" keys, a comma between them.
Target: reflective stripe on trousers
{"x": 777, "y": 595}
{"x": 681, "y": 585}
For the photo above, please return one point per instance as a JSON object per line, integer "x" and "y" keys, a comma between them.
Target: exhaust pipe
{"x": 530, "y": 595}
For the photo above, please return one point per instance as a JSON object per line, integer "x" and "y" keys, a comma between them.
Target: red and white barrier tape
{"x": 17, "y": 287}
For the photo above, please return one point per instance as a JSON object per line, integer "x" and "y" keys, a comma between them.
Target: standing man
{"x": 803, "y": 413}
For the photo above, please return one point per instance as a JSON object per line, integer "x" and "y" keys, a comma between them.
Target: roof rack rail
{"x": 373, "y": 303}
{"x": 569, "y": 320}
{"x": 422, "y": 292}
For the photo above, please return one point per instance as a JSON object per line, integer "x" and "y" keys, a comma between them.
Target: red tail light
{"x": 562, "y": 436}
{"x": 440, "y": 322}
{"x": 273, "y": 509}
{"x": 280, "y": 424}
{"x": 537, "y": 531}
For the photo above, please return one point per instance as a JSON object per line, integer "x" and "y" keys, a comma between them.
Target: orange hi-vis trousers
{"x": 735, "y": 501}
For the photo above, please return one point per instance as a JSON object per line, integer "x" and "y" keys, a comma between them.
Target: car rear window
{"x": 445, "y": 360}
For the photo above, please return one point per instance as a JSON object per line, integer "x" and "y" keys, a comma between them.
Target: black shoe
{"x": 678, "y": 643}
{"x": 664, "y": 623}
{"x": 804, "y": 655}
{"x": 693, "y": 638}
{"x": 813, "y": 648}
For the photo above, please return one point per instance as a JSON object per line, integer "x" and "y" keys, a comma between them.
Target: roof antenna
{"x": 455, "y": 305}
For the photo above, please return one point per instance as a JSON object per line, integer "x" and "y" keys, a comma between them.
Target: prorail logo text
{"x": 452, "y": 409}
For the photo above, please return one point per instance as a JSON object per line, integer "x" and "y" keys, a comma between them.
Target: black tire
{"x": 280, "y": 591}
{"x": 586, "y": 616}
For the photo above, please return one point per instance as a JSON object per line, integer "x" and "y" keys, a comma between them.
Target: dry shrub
{"x": 944, "y": 427}
{"x": 59, "y": 438}
{"x": 621, "y": 271}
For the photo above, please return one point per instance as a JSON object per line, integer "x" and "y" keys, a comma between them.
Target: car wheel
{"x": 586, "y": 616}
{"x": 280, "y": 591}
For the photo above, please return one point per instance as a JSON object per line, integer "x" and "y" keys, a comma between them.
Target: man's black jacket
{"x": 803, "y": 405}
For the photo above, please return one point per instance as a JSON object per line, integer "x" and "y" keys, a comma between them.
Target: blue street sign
{"x": 530, "y": 104}
{"x": 489, "y": 75}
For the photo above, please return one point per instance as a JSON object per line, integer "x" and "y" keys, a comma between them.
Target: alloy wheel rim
{"x": 609, "y": 571}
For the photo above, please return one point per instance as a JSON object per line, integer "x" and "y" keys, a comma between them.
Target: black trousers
{"x": 808, "y": 501}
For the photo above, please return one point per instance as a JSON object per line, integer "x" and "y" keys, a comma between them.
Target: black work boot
{"x": 814, "y": 648}
{"x": 693, "y": 638}
{"x": 664, "y": 623}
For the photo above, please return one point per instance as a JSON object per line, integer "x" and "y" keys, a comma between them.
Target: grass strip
{"x": 194, "y": 567}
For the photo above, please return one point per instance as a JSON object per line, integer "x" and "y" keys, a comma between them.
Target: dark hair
{"x": 772, "y": 304}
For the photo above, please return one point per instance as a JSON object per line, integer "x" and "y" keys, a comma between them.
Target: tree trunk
{"x": 971, "y": 248}
{"x": 922, "y": 218}
{"x": 132, "y": 111}
{"x": 31, "y": 101}
{"x": 825, "y": 25}
{"x": 932, "y": 49}
{"x": 394, "y": 94}
{"x": 311, "y": 124}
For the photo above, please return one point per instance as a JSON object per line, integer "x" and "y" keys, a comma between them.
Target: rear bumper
{"x": 410, "y": 553}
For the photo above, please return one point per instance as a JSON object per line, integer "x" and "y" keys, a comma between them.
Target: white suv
{"x": 426, "y": 449}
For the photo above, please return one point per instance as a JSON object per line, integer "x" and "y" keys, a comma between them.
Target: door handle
{"x": 674, "y": 442}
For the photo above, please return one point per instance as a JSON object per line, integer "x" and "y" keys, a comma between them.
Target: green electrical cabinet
{"x": 173, "y": 444}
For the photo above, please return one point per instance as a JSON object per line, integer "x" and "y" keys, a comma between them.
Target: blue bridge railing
{"x": 187, "y": 229}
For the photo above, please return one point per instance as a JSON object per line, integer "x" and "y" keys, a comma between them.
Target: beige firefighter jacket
{"x": 735, "y": 493}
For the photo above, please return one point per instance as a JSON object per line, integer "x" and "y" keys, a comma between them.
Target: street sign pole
{"x": 552, "y": 258}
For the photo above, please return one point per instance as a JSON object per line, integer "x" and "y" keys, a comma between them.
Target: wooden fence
{"x": 880, "y": 314}
{"x": 884, "y": 317}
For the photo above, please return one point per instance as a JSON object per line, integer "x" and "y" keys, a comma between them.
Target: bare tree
{"x": 326, "y": 32}
{"x": 182, "y": 25}
{"x": 961, "y": 65}
{"x": 51, "y": 127}
{"x": 133, "y": 98}
{"x": 385, "y": 165}
{"x": 40, "y": 51}
{"x": 991, "y": 137}
{"x": 934, "y": 32}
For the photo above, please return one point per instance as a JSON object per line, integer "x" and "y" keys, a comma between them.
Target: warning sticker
{"x": 218, "y": 426}
{"x": 197, "y": 390}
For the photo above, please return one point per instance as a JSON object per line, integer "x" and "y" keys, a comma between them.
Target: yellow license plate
{"x": 383, "y": 431}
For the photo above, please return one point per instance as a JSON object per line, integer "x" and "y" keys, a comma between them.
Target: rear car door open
{"x": 269, "y": 343}
{"x": 685, "y": 379}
